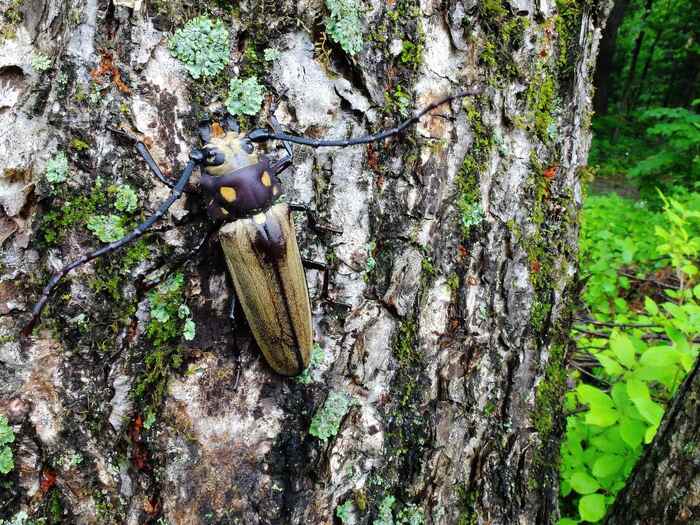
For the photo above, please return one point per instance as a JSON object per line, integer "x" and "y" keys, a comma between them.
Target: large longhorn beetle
{"x": 258, "y": 236}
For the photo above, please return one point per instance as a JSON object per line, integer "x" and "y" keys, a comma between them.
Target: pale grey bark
{"x": 451, "y": 346}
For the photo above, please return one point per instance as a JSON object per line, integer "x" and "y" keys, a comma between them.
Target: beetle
{"x": 258, "y": 236}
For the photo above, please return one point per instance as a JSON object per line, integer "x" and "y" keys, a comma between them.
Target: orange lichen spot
{"x": 107, "y": 67}
{"x": 550, "y": 172}
{"x": 265, "y": 179}
{"x": 217, "y": 130}
{"x": 228, "y": 193}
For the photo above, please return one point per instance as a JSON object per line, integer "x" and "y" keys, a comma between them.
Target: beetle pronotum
{"x": 258, "y": 236}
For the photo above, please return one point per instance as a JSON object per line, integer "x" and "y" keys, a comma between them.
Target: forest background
{"x": 638, "y": 320}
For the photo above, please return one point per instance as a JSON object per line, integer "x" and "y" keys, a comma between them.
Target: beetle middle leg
{"x": 314, "y": 221}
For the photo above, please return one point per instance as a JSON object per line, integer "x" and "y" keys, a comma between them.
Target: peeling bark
{"x": 451, "y": 278}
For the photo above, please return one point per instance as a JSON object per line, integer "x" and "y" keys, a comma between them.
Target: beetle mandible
{"x": 258, "y": 236}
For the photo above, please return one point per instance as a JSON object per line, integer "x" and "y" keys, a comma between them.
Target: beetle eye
{"x": 248, "y": 146}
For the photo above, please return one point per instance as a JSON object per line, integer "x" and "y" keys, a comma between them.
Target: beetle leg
{"x": 196, "y": 158}
{"x": 230, "y": 123}
{"x": 314, "y": 222}
{"x": 315, "y": 265}
{"x": 232, "y": 306}
{"x": 143, "y": 150}
{"x": 204, "y": 131}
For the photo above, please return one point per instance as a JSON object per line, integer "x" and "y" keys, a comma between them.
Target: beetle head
{"x": 227, "y": 151}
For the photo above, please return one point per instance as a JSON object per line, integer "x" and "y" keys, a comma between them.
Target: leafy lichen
{"x": 202, "y": 45}
{"x": 344, "y": 24}
{"x": 57, "y": 168}
{"x": 7, "y": 436}
{"x": 326, "y": 422}
{"x": 244, "y": 96}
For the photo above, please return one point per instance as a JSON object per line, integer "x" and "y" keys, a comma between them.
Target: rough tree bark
{"x": 451, "y": 280}
{"x": 665, "y": 485}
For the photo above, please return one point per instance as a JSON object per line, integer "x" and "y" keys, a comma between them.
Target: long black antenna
{"x": 196, "y": 158}
{"x": 260, "y": 135}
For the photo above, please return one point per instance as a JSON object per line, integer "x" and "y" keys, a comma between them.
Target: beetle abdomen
{"x": 263, "y": 258}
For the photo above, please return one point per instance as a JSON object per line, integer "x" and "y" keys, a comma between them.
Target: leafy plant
{"x": 385, "y": 516}
{"x": 244, "y": 96}
{"x": 344, "y": 25}
{"x": 7, "y": 436}
{"x": 642, "y": 345}
{"x": 202, "y": 45}
{"x": 170, "y": 316}
{"x": 675, "y": 158}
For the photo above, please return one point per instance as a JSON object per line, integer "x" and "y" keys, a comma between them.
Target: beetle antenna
{"x": 260, "y": 135}
{"x": 196, "y": 157}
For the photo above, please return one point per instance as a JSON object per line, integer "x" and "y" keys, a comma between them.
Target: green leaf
{"x": 607, "y": 465}
{"x": 583, "y": 483}
{"x": 659, "y": 356}
{"x": 637, "y": 389}
{"x": 632, "y": 431}
{"x": 601, "y": 409}
{"x": 623, "y": 349}
{"x": 592, "y": 507}
{"x": 6, "y": 433}
{"x": 649, "y": 410}
{"x": 650, "y": 433}
{"x": 567, "y": 521}
{"x": 611, "y": 367}
{"x": 650, "y": 306}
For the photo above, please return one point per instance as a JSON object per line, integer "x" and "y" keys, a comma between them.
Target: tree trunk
{"x": 631, "y": 72}
{"x": 606, "y": 59}
{"x": 449, "y": 297}
{"x": 665, "y": 485}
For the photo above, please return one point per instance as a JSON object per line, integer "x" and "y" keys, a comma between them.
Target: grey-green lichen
{"x": 326, "y": 422}
{"x": 41, "y": 62}
{"x": 244, "y": 96}
{"x": 344, "y": 25}
{"x": 57, "y": 168}
{"x": 107, "y": 228}
{"x": 7, "y": 436}
{"x": 202, "y": 45}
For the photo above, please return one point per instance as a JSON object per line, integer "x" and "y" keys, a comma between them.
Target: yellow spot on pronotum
{"x": 265, "y": 179}
{"x": 224, "y": 211}
{"x": 228, "y": 193}
{"x": 275, "y": 190}
{"x": 259, "y": 218}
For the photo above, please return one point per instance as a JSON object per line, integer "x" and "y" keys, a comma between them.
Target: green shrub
{"x": 642, "y": 344}
{"x": 202, "y": 45}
